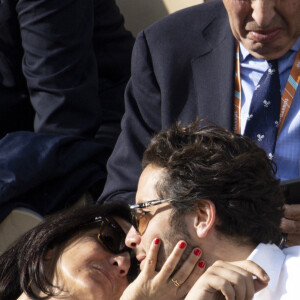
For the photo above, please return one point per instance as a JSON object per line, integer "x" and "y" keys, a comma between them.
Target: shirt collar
{"x": 244, "y": 53}
{"x": 296, "y": 46}
{"x": 271, "y": 259}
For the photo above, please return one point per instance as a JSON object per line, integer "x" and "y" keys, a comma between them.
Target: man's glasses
{"x": 141, "y": 214}
{"x": 111, "y": 236}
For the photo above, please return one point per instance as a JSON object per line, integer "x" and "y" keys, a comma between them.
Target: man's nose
{"x": 120, "y": 263}
{"x": 263, "y": 12}
{"x": 132, "y": 238}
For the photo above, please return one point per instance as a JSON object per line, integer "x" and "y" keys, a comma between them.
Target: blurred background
{"x": 141, "y": 13}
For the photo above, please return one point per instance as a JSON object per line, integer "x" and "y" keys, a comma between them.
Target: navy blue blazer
{"x": 182, "y": 68}
{"x": 64, "y": 65}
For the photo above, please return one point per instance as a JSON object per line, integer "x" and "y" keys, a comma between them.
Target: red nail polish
{"x": 182, "y": 245}
{"x": 201, "y": 264}
{"x": 197, "y": 252}
{"x": 156, "y": 241}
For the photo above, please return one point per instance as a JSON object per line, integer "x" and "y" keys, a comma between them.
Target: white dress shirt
{"x": 283, "y": 268}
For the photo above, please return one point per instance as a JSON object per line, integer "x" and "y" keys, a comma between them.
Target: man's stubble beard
{"x": 178, "y": 231}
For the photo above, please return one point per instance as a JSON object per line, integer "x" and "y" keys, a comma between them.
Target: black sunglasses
{"x": 111, "y": 236}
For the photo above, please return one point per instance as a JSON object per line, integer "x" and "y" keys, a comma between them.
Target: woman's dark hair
{"x": 23, "y": 265}
{"x": 213, "y": 163}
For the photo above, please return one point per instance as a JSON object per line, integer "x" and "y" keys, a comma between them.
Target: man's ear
{"x": 205, "y": 217}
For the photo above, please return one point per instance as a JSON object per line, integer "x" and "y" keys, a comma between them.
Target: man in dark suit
{"x": 184, "y": 68}
{"x": 64, "y": 66}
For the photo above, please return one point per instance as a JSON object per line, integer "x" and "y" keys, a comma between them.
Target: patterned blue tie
{"x": 263, "y": 117}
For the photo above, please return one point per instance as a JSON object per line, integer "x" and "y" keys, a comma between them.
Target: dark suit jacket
{"x": 182, "y": 68}
{"x": 64, "y": 65}
{"x": 70, "y": 59}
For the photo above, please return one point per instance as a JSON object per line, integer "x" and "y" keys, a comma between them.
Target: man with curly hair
{"x": 207, "y": 61}
{"x": 217, "y": 191}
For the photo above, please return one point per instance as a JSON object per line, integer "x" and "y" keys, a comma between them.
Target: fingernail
{"x": 182, "y": 245}
{"x": 156, "y": 241}
{"x": 201, "y": 264}
{"x": 197, "y": 252}
{"x": 266, "y": 277}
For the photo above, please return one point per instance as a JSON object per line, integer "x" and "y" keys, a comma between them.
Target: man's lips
{"x": 141, "y": 259}
{"x": 264, "y": 36}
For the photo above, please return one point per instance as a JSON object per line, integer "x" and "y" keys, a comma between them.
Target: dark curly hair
{"x": 213, "y": 163}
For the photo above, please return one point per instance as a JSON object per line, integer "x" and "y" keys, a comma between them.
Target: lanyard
{"x": 286, "y": 98}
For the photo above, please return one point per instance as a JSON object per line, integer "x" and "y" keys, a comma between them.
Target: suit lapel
{"x": 213, "y": 73}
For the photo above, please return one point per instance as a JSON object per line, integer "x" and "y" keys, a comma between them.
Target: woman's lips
{"x": 105, "y": 274}
{"x": 264, "y": 36}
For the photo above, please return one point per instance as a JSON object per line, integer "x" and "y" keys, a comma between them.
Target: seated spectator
{"x": 209, "y": 62}
{"x": 81, "y": 254}
{"x": 63, "y": 70}
{"x": 216, "y": 190}
{"x": 68, "y": 255}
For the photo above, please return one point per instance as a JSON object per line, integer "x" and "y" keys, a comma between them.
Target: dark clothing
{"x": 71, "y": 57}
{"x": 171, "y": 64}
{"x": 47, "y": 172}
{"x": 63, "y": 70}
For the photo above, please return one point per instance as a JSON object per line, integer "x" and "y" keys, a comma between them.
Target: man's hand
{"x": 290, "y": 224}
{"x": 230, "y": 281}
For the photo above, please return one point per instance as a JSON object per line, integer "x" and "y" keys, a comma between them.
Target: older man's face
{"x": 267, "y": 28}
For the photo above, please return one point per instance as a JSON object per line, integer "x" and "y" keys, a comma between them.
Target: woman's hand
{"x": 160, "y": 285}
{"x": 230, "y": 281}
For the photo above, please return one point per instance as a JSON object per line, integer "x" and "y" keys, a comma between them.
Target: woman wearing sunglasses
{"x": 81, "y": 254}
{"x": 76, "y": 254}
